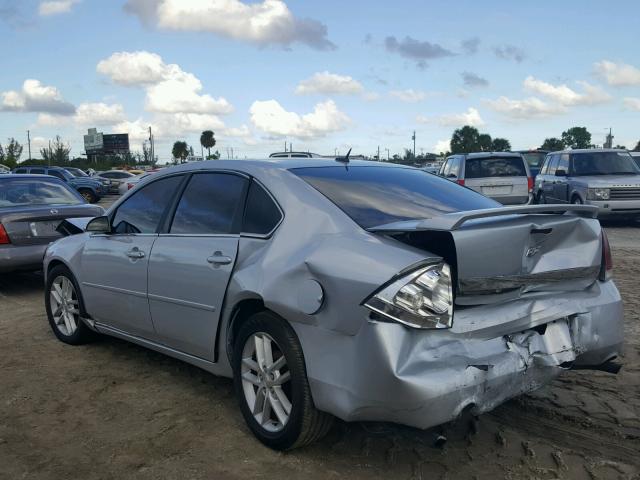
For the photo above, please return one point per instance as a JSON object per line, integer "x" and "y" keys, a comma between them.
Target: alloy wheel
{"x": 64, "y": 305}
{"x": 266, "y": 382}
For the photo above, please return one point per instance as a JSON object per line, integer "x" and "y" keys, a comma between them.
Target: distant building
{"x": 98, "y": 143}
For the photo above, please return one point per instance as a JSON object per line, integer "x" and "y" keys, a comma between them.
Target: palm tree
{"x": 180, "y": 151}
{"x": 208, "y": 141}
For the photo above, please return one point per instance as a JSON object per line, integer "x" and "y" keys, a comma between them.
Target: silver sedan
{"x": 342, "y": 289}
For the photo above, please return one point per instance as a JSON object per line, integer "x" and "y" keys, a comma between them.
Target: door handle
{"x": 218, "y": 259}
{"x": 135, "y": 253}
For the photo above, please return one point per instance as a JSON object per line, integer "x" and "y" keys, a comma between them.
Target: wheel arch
{"x": 240, "y": 313}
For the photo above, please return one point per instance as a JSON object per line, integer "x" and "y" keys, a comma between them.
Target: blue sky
{"x": 323, "y": 75}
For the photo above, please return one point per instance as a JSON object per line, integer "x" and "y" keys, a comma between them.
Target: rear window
{"x": 374, "y": 196}
{"x": 534, "y": 159}
{"x": 494, "y": 167}
{"x": 20, "y": 192}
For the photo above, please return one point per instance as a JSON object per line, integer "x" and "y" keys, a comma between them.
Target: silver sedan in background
{"x": 342, "y": 289}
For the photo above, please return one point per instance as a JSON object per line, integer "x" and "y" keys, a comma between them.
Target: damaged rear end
{"x": 521, "y": 294}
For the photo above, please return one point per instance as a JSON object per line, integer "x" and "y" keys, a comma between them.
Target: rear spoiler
{"x": 453, "y": 221}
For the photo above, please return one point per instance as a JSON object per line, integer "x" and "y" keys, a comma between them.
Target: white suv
{"x": 502, "y": 176}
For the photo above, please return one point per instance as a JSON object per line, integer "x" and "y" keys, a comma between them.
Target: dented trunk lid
{"x": 502, "y": 253}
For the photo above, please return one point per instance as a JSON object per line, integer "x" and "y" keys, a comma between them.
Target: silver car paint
{"x": 354, "y": 361}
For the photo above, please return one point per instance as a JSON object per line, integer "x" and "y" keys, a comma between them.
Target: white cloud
{"x": 35, "y": 97}
{"x": 371, "y": 96}
{"x": 566, "y": 96}
{"x": 618, "y": 74}
{"x": 329, "y": 83}
{"x": 442, "y": 146}
{"x": 55, "y": 7}
{"x": 169, "y": 125}
{"x": 169, "y": 88}
{"x": 632, "y": 103}
{"x": 266, "y": 22}
{"x": 410, "y": 95}
{"x": 98, "y": 114}
{"x": 271, "y": 118}
{"x": 470, "y": 117}
{"x": 526, "y": 108}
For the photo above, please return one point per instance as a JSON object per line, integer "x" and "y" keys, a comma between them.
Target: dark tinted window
{"x": 38, "y": 171}
{"x": 374, "y": 196}
{"x": 57, "y": 173}
{"x": 261, "y": 214}
{"x": 210, "y": 204}
{"x": 21, "y": 170}
{"x": 495, "y": 167}
{"x": 603, "y": 163}
{"x": 23, "y": 191}
{"x": 141, "y": 212}
{"x": 534, "y": 159}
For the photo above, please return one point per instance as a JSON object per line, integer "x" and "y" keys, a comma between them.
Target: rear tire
{"x": 88, "y": 195}
{"x": 64, "y": 306}
{"x": 282, "y": 379}
{"x": 576, "y": 200}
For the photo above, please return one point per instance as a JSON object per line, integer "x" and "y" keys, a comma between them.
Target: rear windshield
{"x": 374, "y": 196}
{"x": 534, "y": 159}
{"x": 20, "y": 192}
{"x": 494, "y": 167}
{"x": 603, "y": 163}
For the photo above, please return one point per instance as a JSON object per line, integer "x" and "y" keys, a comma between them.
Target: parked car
{"x": 132, "y": 182}
{"x": 4, "y": 169}
{"x": 503, "y": 176}
{"x": 31, "y": 210}
{"x": 608, "y": 179}
{"x": 534, "y": 159}
{"x": 78, "y": 173}
{"x": 117, "y": 177}
{"x": 363, "y": 291}
{"x": 636, "y": 157}
{"x": 295, "y": 155}
{"x": 89, "y": 188}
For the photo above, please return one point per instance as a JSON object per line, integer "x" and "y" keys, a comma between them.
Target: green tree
{"x": 577, "y": 137}
{"x": 208, "y": 141}
{"x": 57, "y": 152}
{"x": 484, "y": 142}
{"x": 552, "y": 144}
{"x": 10, "y": 155}
{"x": 500, "y": 145}
{"x": 465, "y": 140}
{"x": 180, "y": 151}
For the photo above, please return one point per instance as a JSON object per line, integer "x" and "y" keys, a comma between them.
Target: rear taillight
{"x": 130, "y": 186}
{"x": 530, "y": 183}
{"x": 460, "y": 182}
{"x": 606, "y": 267}
{"x": 4, "y": 238}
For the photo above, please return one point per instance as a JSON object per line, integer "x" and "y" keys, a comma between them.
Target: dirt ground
{"x": 112, "y": 410}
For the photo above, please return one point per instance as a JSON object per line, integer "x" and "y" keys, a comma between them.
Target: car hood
{"x": 609, "y": 181}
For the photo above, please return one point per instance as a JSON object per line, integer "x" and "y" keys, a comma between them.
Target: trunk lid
{"x": 39, "y": 225}
{"x": 502, "y": 253}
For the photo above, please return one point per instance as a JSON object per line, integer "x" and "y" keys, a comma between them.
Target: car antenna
{"x": 344, "y": 159}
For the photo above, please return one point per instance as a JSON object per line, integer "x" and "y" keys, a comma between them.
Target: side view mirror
{"x": 561, "y": 173}
{"x": 99, "y": 225}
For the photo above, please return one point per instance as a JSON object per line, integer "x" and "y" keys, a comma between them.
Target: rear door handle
{"x": 135, "y": 253}
{"x": 219, "y": 259}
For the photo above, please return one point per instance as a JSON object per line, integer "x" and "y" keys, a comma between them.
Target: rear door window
{"x": 37, "y": 171}
{"x": 563, "y": 163}
{"x": 553, "y": 164}
{"x": 261, "y": 214}
{"x": 211, "y": 204}
{"x": 142, "y": 211}
{"x": 495, "y": 167}
{"x": 57, "y": 173}
{"x": 21, "y": 170}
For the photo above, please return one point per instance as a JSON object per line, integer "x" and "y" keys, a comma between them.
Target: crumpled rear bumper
{"x": 425, "y": 378}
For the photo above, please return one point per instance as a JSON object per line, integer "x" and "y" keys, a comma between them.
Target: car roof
{"x": 39, "y": 166}
{"x": 592, "y": 150}
{"x": 275, "y": 164}
{"x": 493, "y": 154}
{"x": 33, "y": 175}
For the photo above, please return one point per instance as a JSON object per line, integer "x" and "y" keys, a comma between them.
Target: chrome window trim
{"x": 200, "y": 235}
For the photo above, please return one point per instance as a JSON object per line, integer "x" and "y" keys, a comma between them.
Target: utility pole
{"x": 388, "y": 159}
{"x": 153, "y": 158}
{"x": 414, "y": 144}
{"x": 29, "y": 142}
{"x": 49, "y": 156}
{"x": 285, "y": 145}
{"x": 290, "y": 147}
{"x": 378, "y": 158}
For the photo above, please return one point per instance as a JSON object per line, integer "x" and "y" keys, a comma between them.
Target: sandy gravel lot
{"x": 115, "y": 410}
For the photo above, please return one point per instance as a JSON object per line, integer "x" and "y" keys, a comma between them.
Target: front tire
{"x": 576, "y": 200}
{"x": 271, "y": 385}
{"x": 64, "y": 307}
